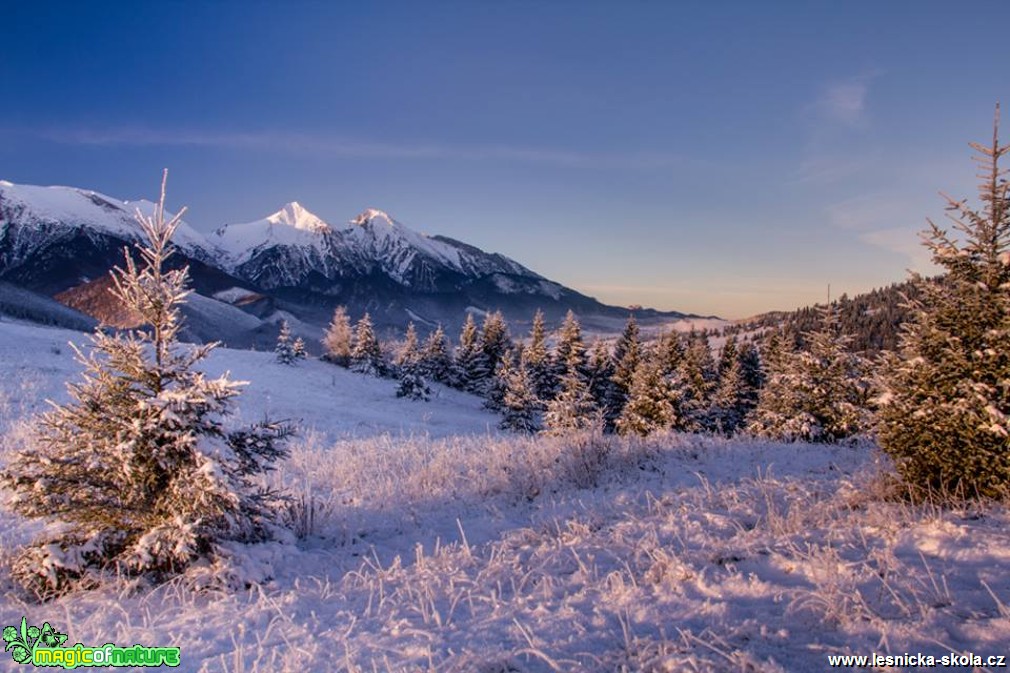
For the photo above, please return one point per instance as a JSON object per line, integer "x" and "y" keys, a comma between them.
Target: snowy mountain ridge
{"x": 61, "y": 241}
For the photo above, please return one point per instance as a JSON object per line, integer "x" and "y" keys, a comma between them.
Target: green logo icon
{"x": 46, "y": 647}
{"x": 21, "y": 643}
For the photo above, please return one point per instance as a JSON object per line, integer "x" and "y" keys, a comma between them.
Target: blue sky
{"x": 715, "y": 157}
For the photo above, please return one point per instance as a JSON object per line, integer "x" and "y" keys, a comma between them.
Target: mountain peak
{"x": 371, "y": 214}
{"x": 295, "y": 215}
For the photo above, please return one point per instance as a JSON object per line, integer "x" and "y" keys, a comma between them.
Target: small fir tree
{"x": 626, "y": 357}
{"x": 495, "y": 342}
{"x": 436, "y": 363}
{"x": 412, "y": 384}
{"x": 366, "y": 353}
{"x": 538, "y": 360}
{"x": 817, "y": 394}
{"x": 650, "y": 404}
{"x": 138, "y": 475}
{"x": 572, "y": 409}
{"x": 944, "y": 414}
{"x": 409, "y": 354}
{"x": 695, "y": 381}
{"x": 470, "y": 371}
{"x": 338, "y": 338}
{"x": 520, "y": 406}
{"x": 285, "y": 349}
{"x": 570, "y": 352}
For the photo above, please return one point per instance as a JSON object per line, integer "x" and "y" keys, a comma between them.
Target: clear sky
{"x": 715, "y": 157}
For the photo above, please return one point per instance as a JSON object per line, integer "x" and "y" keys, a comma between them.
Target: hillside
{"x": 427, "y": 541}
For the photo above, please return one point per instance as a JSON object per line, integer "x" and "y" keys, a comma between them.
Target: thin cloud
{"x": 844, "y": 102}
{"x": 335, "y": 147}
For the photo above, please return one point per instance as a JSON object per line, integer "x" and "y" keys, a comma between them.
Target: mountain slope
{"x": 60, "y": 241}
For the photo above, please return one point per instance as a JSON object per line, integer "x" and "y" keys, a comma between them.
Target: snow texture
{"x": 427, "y": 541}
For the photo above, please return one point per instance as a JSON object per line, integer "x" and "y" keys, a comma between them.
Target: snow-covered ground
{"x": 431, "y": 542}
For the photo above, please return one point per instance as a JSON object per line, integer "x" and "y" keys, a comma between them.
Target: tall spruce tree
{"x": 338, "y": 339}
{"x": 573, "y": 408}
{"x": 409, "y": 353}
{"x": 626, "y": 357}
{"x": 470, "y": 371}
{"x": 944, "y": 414}
{"x": 695, "y": 380}
{"x": 139, "y": 475}
{"x": 495, "y": 342}
{"x": 285, "y": 348}
{"x": 817, "y": 394}
{"x": 538, "y": 360}
{"x": 520, "y": 407}
{"x": 436, "y": 363}
{"x": 366, "y": 353}
{"x": 650, "y": 405}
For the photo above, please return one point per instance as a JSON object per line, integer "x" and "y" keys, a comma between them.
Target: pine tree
{"x": 573, "y": 408}
{"x": 138, "y": 475}
{"x": 626, "y": 357}
{"x": 469, "y": 366}
{"x": 409, "y": 353}
{"x": 520, "y": 406}
{"x": 494, "y": 394}
{"x": 944, "y": 413}
{"x": 538, "y": 360}
{"x": 815, "y": 395}
{"x": 338, "y": 338}
{"x": 650, "y": 404}
{"x": 366, "y": 353}
{"x": 570, "y": 351}
{"x": 737, "y": 394}
{"x": 285, "y": 349}
{"x": 412, "y": 383}
{"x": 495, "y": 342}
{"x": 695, "y": 382}
{"x": 601, "y": 370}
{"x": 436, "y": 363}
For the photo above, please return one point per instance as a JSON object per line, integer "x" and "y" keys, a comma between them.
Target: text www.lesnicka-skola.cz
{"x": 949, "y": 660}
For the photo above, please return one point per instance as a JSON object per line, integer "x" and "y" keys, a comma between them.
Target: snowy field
{"x": 429, "y": 541}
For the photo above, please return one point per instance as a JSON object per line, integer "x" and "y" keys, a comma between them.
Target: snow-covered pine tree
{"x": 495, "y": 342}
{"x": 520, "y": 406}
{"x": 627, "y": 354}
{"x": 494, "y": 393}
{"x": 538, "y": 360}
{"x": 815, "y": 395}
{"x": 670, "y": 353}
{"x": 650, "y": 404}
{"x": 736, "y": 395}
{"x": 573, "y": 408}
{"x": 470, "y": 366}
{"x": 601, "y": 370}
{"x": 570, "y": 350}
{"x": 409, "y": 353}
{"x": 436, "y": 363}
{"x": 299, "y": 348}
{"x": 412, "y": 383}
{"x": 944, "y": 414}
{"x": 138, "y": 475}
{"x": 338, "y": 338}
{"x": 285, "y": 349}
{"x": 695, "y": 381}
{"x": 366, "y": 353}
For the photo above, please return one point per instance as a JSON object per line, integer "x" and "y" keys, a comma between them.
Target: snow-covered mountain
{"x": 293, "y": 247}
{"x": 61, "y": 241}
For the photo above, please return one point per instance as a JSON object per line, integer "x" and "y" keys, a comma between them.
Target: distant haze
{"x": 716, "y": 158}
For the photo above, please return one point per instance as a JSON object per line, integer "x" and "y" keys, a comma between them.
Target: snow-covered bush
{"x": 945, "y": 408}
{"x": 138, "y": 476}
